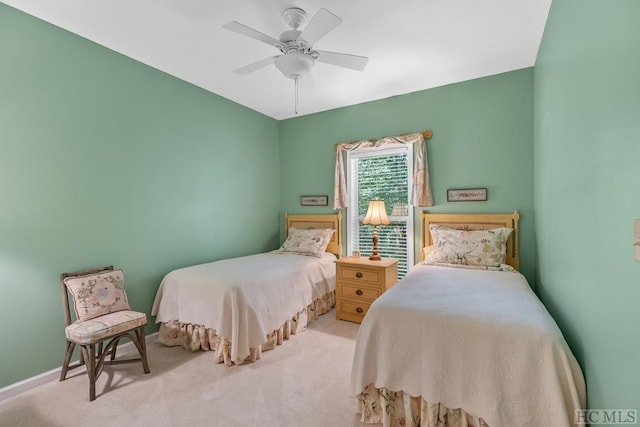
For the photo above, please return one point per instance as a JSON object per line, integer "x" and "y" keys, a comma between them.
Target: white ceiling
{"x": 411, "y": 44}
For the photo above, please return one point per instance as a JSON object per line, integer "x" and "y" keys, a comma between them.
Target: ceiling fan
{"x": 297, "y": 55}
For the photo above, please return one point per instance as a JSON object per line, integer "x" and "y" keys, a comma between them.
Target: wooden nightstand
{"x": 359, "y": 282}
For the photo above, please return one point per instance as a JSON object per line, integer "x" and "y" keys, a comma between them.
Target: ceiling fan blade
{"x": 319, "y": 26}
{"x": 250, "y": 32}
{"x": 243, "y": 71}
{"x": 345, "y": 60}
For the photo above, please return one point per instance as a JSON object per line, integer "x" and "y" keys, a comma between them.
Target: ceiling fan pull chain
{"x": 296, "y": 95}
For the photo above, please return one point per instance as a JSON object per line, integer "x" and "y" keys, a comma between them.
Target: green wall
{"x": 482, "y": 137}
{"x": 104, "y": 160}
{"x": 587, "y": 181}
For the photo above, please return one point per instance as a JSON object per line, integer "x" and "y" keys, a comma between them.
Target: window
{"x": 381, "y": 173}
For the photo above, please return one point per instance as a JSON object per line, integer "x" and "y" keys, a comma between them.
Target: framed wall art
{"x": 467, "y": 195}
{"x": 314, "y": 200}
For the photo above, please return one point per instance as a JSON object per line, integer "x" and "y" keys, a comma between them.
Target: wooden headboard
{"x": 318, "y": 221}
{"x": 474, "y": 222}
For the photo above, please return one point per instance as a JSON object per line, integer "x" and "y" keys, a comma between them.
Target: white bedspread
{"x": 477, "y": 340}
{"x": 245, "y": 298}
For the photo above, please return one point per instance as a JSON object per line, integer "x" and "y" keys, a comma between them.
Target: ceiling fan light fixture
{"x": 295, "y": 64}
{"x": 297, "y": 47}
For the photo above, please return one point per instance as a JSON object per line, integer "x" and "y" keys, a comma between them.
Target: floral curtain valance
{"x": 421, "y": 187}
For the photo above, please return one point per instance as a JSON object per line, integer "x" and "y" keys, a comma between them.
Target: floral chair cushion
{"x": 475, "y": 247}
{"x": 97, "y": 294}
{"x": 99, "y": 328}
{"x": 312, "y": 241}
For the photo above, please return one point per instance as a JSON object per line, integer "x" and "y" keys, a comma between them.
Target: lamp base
{"x": 374, "y": 253}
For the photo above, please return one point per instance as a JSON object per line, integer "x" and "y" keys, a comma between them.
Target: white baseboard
{"x": 54, "y": 374}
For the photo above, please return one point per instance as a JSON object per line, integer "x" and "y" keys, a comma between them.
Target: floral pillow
{"x": 312, "y": 241}
{"x": 475, "y": 247}
{"x": 98, "y": 294}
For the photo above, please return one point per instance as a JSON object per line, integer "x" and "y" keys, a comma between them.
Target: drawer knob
{"x": 359, "y": 292}
{"x": 358, "y": 275}
{"x": 359, "y": 310}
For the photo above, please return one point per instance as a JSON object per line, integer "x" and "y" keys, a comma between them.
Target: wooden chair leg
{"x": 113, "y": 349}
{"x": 67, "y": 360}
{"x": 89, "y": 352}
{"x": 145, "y": 363}
{"x": 142, "y": 349}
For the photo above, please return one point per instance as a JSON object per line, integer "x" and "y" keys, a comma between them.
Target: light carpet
{"x": 304, "y": 382}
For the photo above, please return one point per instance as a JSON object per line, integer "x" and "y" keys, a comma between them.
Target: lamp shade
{"x": 399, "y": 209}
{"x": 376, "y": 213}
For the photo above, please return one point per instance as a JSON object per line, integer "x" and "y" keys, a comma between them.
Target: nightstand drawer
{"x": 360, "y": 275}
{"x": 360, "y": 292}
{"x": 354, "y": 309}
{"x": 359, "y": 282}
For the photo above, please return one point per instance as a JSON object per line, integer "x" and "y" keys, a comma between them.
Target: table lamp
{"x": 376, "y": 215}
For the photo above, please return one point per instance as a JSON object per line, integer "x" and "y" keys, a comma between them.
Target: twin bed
{"x": 243, "y": 306}
{"x": 462, "y": 340}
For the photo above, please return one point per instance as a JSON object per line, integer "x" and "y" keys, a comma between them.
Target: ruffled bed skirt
{"x": 394, "y": 408}
{"x": 197, "y": 337}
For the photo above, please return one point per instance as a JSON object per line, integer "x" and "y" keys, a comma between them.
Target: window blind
{"x": 381, "y": 174}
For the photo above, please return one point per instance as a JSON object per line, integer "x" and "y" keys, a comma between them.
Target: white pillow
{"x": 311, "y": 242}
{"x": 476, "y": 247}
{"x": 426, "y": 251}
